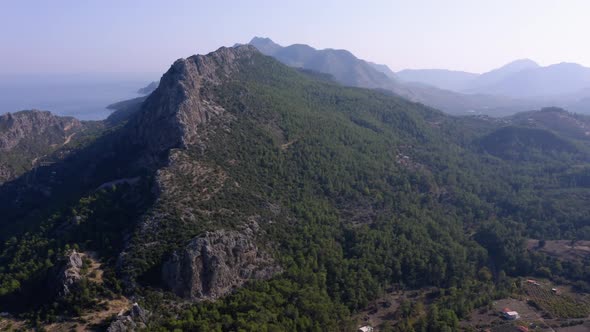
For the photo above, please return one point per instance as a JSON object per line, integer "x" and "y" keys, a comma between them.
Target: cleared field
{"x": 556, "y": 305}
{"x": 490, "y": 319}
{"x": 385, "y": 309}
{"x": 562, "y": 249}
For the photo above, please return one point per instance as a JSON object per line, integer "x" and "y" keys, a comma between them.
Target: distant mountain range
{"x": 518, "y": 86}
{"x": 341, "y": 64}
{"x": 563, "y": 84}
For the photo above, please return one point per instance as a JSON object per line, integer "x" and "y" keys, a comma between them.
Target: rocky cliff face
{"x": 15, "y": 128}
{"x": 68, "y": 274}
{"x": 172, "y": 115}
{"x": 174, "y": 127}
{"x": 213, "y": 264}
{"x": 27, "y": 136}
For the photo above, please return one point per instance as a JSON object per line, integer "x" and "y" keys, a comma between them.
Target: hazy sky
{"x": 60, "y": 36}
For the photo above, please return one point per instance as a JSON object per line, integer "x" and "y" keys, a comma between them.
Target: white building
{"x": 511, "y": 315}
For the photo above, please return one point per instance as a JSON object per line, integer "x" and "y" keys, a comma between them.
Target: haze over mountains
{"x": 521, "y": 78}
{"x": 518, "y": 86}
{"x": 563, "y": 84}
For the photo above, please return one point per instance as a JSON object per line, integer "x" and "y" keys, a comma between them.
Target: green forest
{"x": 373, "y": 192}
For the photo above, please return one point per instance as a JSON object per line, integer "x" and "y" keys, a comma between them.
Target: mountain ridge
{"x": 293, "y": 200}
{"x": 349, "y": 70}
{"x": 27, "y": 136}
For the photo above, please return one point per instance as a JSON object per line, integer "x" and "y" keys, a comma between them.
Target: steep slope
{"x": 524, "y": 143}
{"x": 558, "y": 120}
{"x": 124, "y": 110}
{"x": 384, "y": 69}
{"x": 240, "y": 145}
{"x": 495, "y": 76}
{"x": 265, "y": 45}
{"x": 349, "y": 70}
{"x": 27, "y": 136}
{"x": 341, "y": 64}
{"x": 289, "y": 199}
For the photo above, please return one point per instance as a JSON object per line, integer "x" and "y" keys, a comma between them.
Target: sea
{"x": 84, "y": 96}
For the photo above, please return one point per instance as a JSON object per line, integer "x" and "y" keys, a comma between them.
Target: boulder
{"x": 135, "y": 318}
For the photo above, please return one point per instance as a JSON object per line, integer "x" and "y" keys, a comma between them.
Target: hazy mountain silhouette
{"x": 565, "y": 85}
{"x": 558, "y": 79}
{"x": 341, "y": 64}
{"x": 347, "y": 69}
{"x": 496, "y": 75}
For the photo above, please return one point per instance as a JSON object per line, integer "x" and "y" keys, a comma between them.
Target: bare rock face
{"x": 172, "y": 130}
{"x": 134, "y": 319}
{"x": 69, "y": 273}
{"x": 27, "y": 136}
{"x": 171, "y": 116}
{"x": 28, "y": 125}
{"x": 214, "y": 264}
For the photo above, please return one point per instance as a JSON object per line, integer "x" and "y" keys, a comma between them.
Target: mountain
{"x": 384, "y": 69}
{"x": 265, "y": 45}
{"x": 514, "y": 87}
{"x": 550, "y": 81}
{"x": 555, "y": 119}
{"x": 346, "y": 69}
{"x": 244, "y": 194}
{"x": 495, "y": 76}
{"x": 341, "y": 64}
{"x": 444, "y": 79}
{"x": 146, "y": 90}
{"x": 465, "y": 82}
{"x": 518, "y": 143}
{"x": 26, "y": 137}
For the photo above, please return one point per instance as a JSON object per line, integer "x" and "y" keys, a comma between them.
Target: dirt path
{"x": 68, "y": 139}
{"x": 288, "y": 144}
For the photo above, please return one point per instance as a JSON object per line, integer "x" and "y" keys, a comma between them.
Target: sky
{"x": 146, "y": 36}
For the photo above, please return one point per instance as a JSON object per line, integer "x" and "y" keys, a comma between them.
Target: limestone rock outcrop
{"x": 215, "y": 263}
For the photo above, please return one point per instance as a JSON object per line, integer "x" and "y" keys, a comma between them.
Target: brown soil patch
{"x": 383, "y": 310}
{"x": 562, "y": 249}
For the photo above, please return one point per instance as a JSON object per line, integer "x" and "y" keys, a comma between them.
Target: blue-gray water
{"x": 82, "y": 96}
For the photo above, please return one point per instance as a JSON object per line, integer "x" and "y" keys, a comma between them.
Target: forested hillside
{"x": 292, "y": 202}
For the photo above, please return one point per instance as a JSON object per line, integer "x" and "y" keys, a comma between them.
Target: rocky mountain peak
{"x": 183, "y": 101}
{"x": 265, "y": 45}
